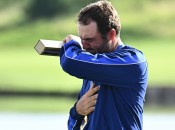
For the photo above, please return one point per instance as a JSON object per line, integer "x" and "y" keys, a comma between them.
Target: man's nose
{"x": 85, "y": 44}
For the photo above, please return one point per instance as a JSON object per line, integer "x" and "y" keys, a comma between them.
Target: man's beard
{"x": 104, "y": 48}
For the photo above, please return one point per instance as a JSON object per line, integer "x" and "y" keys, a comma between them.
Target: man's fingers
{"x": 68, "y": 38}
{"x": 87, "y": 102}
{"x": 93, "y": 86}
{"x": 92, "y": 91}
{"x": 71, "y": 37}
{"x": 92, "y": 103}
{"x": 94, "y": 97}
{"x": 91, "y": 109}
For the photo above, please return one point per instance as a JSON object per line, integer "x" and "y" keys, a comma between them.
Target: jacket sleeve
{"x": 112, "y": 69}
{"x": 75, "y": 119}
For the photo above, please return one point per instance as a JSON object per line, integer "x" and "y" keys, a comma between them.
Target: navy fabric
{"x": 122, "y": 76}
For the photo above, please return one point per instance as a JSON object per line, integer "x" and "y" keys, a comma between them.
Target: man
{"x": 114, "y": 75}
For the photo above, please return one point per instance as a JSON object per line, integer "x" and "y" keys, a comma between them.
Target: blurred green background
{"x": 147, "y": 25}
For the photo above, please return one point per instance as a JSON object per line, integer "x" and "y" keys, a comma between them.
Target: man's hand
{"x": 71, "y": 37}
{"x": 87, "y": 102}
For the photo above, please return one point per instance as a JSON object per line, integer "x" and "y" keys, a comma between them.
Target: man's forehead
{"x": 87, "y": 31}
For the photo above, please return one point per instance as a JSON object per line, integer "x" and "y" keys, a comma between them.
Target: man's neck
{"x": 117, "y": 42}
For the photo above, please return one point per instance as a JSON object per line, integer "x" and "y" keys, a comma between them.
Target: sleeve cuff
{"x": 74, "y": 114}
{"x": 75, "y": 43}
{"x": 68, "y": 44}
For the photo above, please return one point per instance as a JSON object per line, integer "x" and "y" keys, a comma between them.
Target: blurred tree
{"x": 49, "y": 8}
{"x": 45, "y": 8}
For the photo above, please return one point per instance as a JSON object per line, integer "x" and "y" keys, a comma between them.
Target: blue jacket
{"x": 122, "y": 76}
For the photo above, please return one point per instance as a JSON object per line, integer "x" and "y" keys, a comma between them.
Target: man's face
{"x": 91, "y": 39}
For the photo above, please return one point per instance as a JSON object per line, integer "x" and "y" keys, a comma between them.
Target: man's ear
{"x": 112, "y": 34}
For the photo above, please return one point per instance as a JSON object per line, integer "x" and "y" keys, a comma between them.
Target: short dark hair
{"x": 104, "y": 14}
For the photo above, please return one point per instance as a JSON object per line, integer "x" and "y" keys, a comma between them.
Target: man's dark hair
{"x": 104, "y": 14}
